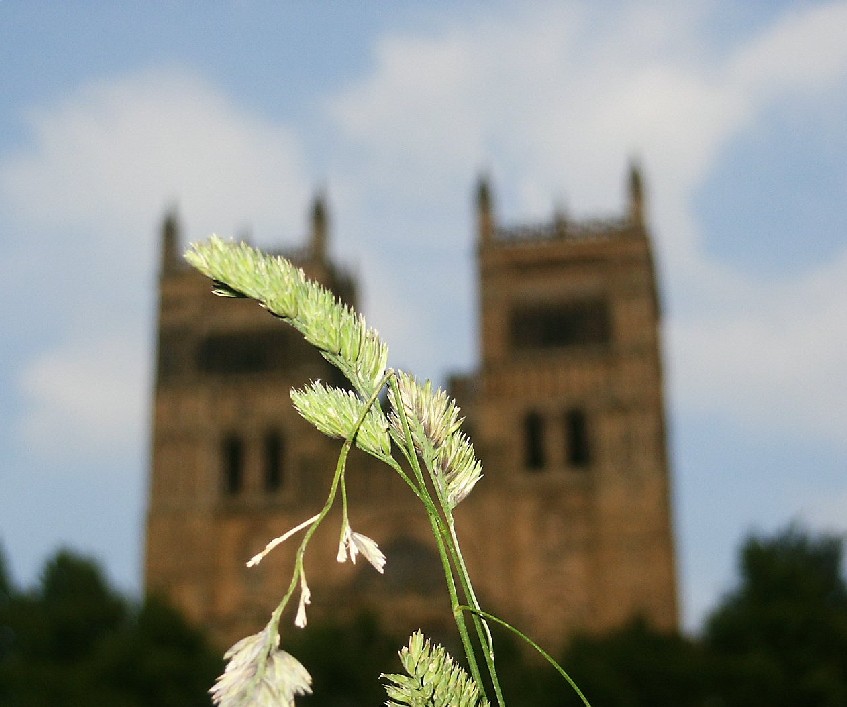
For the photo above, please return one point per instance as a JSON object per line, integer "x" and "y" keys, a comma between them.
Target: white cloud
{"x": 548, "y": 94}
{"x": 558, "y": 97}
{"x": 89, "y": 190}
{"x": 86, "y": 399}
{"x": 804, "y": 51}
{"x": 774, "y": 359}
{"x": 109, "y": 158}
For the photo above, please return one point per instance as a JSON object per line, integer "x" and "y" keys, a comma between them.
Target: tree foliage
{"x": 778, "y": 639}
{"x": 346, "y": 660}
{"x": 781, "y": 636}
{"x": 74, "y": 641}
{"x": 637, "y": 665}
{"x": 5, "y": 579}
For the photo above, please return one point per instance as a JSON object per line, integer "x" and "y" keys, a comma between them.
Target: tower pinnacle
{"x": 170, "y": 241}
{"x": 319, "y": 227}
{"x": 485, "y": 211}
{"x": 636, "y": 193}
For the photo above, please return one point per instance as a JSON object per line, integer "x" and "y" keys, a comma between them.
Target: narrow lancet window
{"x": 274, "y": 454}
{"x": 578, "y": 452}
{"x": 534, "y": 456}
{"x": 232, "y": 453}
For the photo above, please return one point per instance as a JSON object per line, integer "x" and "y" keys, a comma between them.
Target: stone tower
{"x": 568, "y": 416}
{"x": 570, "y": 527}
{"x": 231, "y": 461}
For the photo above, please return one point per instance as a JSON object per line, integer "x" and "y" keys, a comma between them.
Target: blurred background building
{"x": 570, "y": 529}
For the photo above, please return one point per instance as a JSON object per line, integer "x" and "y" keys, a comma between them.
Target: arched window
{"x": 232, "y": 458}
{"x": 534, "y": 453}
{"x": 274, "y": 455}
{"x": 578, "y": 451}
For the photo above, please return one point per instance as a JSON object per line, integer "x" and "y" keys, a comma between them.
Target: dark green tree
{"x": 156, "y": 659}
{"x": 5, "y": 578}
{"x": 54, "y": 630}
{"x": 781, "y": 636}
{"x": 74, "y": 641}
{"x": 345, "y": 660}
{"x": 636, "y": 666}
{"x": 6, "y": 636}
{"x": 77, "y": 609}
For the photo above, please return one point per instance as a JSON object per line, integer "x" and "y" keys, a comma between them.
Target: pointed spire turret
{"x": 560, "y": 218}
{"x": 485, "y": 211}
{"x": 320, "y": 227}
{"x": 636, "y": 193}
{"x": 170, "y": 242}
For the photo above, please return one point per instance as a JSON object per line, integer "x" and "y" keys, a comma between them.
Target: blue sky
{"x": 111, "y": 112}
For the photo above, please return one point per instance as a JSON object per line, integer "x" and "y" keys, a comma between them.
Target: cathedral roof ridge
{"x": 588, "y": 229}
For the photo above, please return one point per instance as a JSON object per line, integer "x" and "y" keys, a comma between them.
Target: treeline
{"x": 75, "y": 642}
{"x": 778, "y": 639}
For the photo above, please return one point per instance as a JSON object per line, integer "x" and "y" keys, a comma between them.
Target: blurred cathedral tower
{"x": 567, "y": 414}
{"x": 570, "y": 529}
